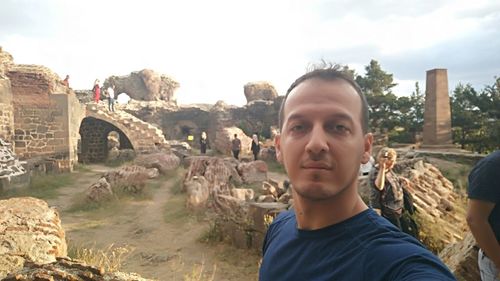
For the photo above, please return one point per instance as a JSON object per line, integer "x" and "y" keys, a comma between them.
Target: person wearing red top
{"x": 97, "y": 91}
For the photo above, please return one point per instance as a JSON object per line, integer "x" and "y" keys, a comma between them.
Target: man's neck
{"x": 313, "y": 214}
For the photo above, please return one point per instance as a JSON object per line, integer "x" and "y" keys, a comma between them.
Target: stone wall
{"x": 6, "y": 111}
{"x": 94, "y": 142}
{"x": 46, "y": 114}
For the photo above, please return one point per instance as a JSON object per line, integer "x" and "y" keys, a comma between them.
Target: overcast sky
{"x": 215, "y": 47}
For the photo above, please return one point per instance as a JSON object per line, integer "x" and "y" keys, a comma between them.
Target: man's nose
{"x": 318, "y": 141}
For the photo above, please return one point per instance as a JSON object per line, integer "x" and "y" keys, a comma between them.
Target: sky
{"x": 213, "y": 48}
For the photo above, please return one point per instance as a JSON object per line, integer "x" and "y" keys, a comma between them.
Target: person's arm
{"x": 477, "y": 218}
{"x": 380, "y": 180}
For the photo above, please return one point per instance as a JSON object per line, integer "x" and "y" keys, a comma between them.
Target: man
{"x": 236, "y": 146}
{"x": 331, "y": 234}
{"x": 483, "y": 214}
{"x": 111, "y": 97}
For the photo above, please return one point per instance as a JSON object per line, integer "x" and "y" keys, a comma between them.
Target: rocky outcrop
{"x": 66, "y": 269}
{"x": 198, "y": 191}
{"x": 259, "y": 91}
{"x": 29, "y": 231}
{"x": 145, "y": 85}
{"x": 99, "y": 191}
{"x": 461, "y": 258}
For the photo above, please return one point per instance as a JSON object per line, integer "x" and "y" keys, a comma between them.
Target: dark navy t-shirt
{"x": 484, "y": 184}
{"x": 364, "y": 247}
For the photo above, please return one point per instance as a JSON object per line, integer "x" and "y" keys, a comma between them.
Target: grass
{"x": 41, "y": 186}
{"x": 110, "y": 258}
{"x": 275, "y": 167}
{"x": 175, "y": 209}
{"x": 198, "y": 273}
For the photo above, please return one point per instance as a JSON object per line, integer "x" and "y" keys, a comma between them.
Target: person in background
{"x": 111, "y": 97}
{"x": 204, "y": 142}
{"x": 66, "y": 81}
{"x": 483, "y": 214}
{"x": 364, "y": 169}
{"x": 331, "y": 234}
{"x": 255, "y": 146}
{"x": 236, "y": 146}
{"x": 387, "y": 196}
{"x": 97, "y": 91}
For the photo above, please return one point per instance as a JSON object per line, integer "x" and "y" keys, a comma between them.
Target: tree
{"x": 377, "y": 85}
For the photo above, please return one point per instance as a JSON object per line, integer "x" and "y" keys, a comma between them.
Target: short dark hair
{"x": 330, "y": 72}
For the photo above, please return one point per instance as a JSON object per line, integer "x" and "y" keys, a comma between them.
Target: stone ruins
{"x": 437, "y": 114}
{"x": 51, "y": 127}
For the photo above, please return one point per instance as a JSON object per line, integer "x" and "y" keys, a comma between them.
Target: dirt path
{"x": 164, "y": 236}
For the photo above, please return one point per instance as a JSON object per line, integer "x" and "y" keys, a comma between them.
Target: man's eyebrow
{"x": 337, "y": 115}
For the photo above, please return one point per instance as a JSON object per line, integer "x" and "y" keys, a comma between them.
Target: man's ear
{"x": 367, "y": 148}
{"x": 277, "y": 146}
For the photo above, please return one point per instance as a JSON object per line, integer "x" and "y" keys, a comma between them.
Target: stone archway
{"x": 94, "y": 144}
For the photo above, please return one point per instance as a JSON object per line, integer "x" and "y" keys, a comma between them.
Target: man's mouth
{"x": 317, "y": 165}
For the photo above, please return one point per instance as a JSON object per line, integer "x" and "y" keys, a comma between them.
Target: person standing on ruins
{"x": 236, "y": 146}
{"x": 483, "y": 214}
{"x": 111, "y": 97}
{"x": 97, "y": 91}
{"x": 204, "y": 142}
{"x": 386, "y": 196}
{"x": 255, "y": 146}
{"x": 331, "y": 234}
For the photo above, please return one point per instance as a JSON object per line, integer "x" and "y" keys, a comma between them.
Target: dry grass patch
{"x": 110, "y": 258}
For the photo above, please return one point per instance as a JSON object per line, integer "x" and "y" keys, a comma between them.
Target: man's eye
{"x": 337, "y": 128}
{"x": 297, "y": 128}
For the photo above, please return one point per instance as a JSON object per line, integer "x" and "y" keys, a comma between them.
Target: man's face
{"x": 322, "y": 143}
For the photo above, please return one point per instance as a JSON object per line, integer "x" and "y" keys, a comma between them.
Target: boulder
{"x": 259, "y": 91}
{"x": 129, "y": 178}
{"x": 145, "y": 85}
{"x": 30, "y": 230}
{"x": 100, "y": 190}
{"x": 255, "y": 171}
{"x": 162, "y": 161}
{"x": 197, "y": 190}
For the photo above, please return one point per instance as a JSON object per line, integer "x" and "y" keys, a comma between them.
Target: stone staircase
{"x": 145, "y": 138}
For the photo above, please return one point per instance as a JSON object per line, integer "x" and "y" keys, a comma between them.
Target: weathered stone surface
{"x": 32, "y": 84}
{"x": 259, "y": 91}
{"x": 162, "y": 161}
{"x": 244, "y": 194}
{"x": 197, "y": 190}
{"x": 29, "y": 230}
{"x": 6, "y": 60}
{"x": 224, "y": 137}
{"x": 461, "y": 258}
{"x": 255, "y": 171}
{"x": 437, "y": 113}
{"x": 101, "y": 190}
{"x": 218, "y": 172}
{"x": 10, "y": 166}
{"x": 129, "y": 178}
{"x": 145, "y": 85}
{"x": 66, "y": 269}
